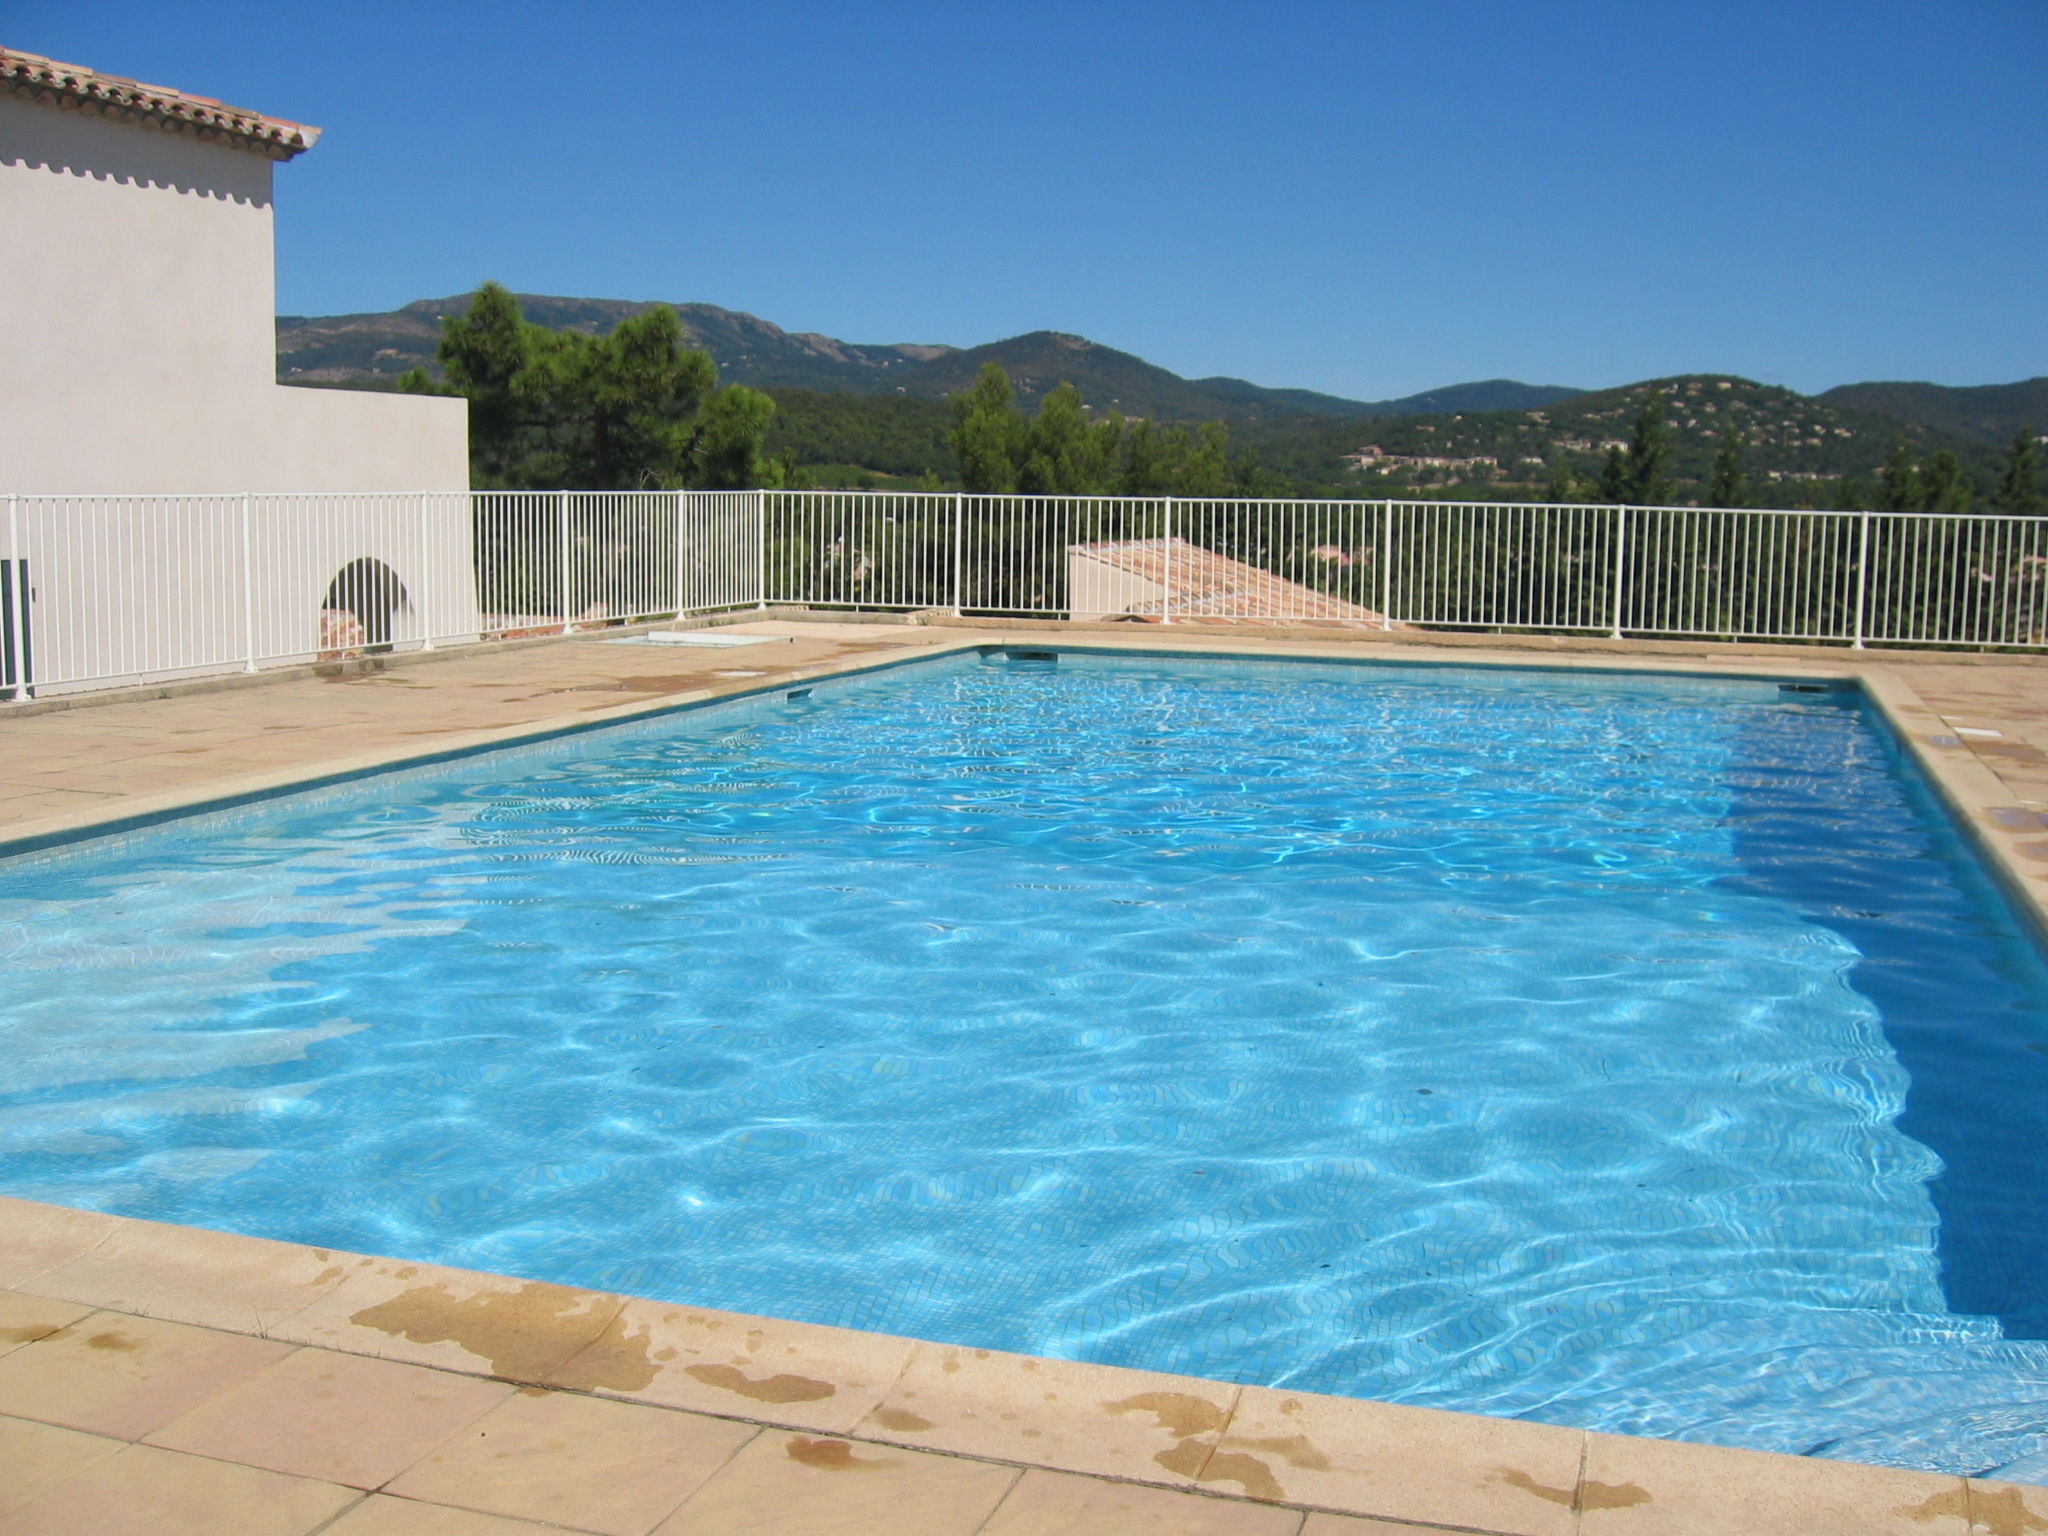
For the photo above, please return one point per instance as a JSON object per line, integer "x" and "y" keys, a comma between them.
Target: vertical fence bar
{"x": 1620, "y": 567}
{"x": 17, "y": 595}
{"x": 1387, "y": 564}
{"x": 1862, "y": 574}
{"x": 562, "y": 554}
{"x": 761, "y": 548}
{"x": 676, "y": 565}
{"x": 427, "y": 571}
{"x": 1166, "y": 558}
{"x": 959, "y": 550}
{"x": 248, "y": 589}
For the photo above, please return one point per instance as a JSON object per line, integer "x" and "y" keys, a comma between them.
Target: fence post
{"x": 1620, "y": 567}
{"x": 679, "y": 495}
{"x": 761, "y": 548}
{"x": 17, "y": 599}
{"x": 1862, "y": 575}
{"x": 248, "y": 589}
{"x": 426, "y": 581}
{"x": 562, "y": 527}
{"x": 959, "y": 550}
{"x": 1386, "y": 565}
{"x": 1166, "y": 554}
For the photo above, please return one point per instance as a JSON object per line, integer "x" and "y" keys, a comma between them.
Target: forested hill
{"x": 1796, "y": 449}
{"x": 374, "y": 349}
{"x": 1987, "y": 413}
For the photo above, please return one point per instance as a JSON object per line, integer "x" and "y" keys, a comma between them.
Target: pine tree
{"x": 989, "y": 433}
{"x": 1943, "y": 485}
{"x": 1728, "y": 487}
{"x": 1647, "y": 482}
{"x": 635, "y": 409}
{"x": 1561, "y": 489}
{"x": 2019, "y": 493}
{"x": 1898, "y": 483}
{"x": 1614, "y": 479}
{"x": 1206, "y": 471}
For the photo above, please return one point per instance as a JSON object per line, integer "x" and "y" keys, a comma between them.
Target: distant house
{"x": 1149, "y": 580}
{"x": 137, "y": 303}
{"x": 1374, "y": 459}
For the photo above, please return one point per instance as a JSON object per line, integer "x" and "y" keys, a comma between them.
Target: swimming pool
{"x": 1641, "y": 1054}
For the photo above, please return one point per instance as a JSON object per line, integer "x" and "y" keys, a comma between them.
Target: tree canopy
{"x": 1062, "y": 451}
{"x": 2019, "y": 491}
{"x": 633, "y": 410}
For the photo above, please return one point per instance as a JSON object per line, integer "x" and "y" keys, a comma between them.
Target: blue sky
{"x": 1366, "y": 198}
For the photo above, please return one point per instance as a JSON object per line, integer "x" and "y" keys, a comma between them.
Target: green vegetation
{"x": 631, "y": 410}
{"x": 2019, "y": 491}
{"x": 844, "y": 439}
{"x": 1062, "y": 451}
{"x": 1728, "y": 486}
{"x": 1984, "y": 414}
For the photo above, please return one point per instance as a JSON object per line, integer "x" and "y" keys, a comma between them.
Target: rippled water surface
{"x": 1641, "y": 1056}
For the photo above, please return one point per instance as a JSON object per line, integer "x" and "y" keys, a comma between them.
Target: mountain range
{"x": 373, "y": 349}
{"x": 1843, "y": 431}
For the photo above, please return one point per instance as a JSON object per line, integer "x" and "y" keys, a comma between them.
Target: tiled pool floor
{"x": 165, "y": 1379}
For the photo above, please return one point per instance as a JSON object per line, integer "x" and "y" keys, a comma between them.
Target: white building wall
{"x": 1097, "y": 590}
{"x": 138, "y": 359}
{"x": 137, "y": 303}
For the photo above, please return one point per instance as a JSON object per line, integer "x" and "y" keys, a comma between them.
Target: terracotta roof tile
{"x": 72, "y": 88}
{"x": 1208, "y": 588}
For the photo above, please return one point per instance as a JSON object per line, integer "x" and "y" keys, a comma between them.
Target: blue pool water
{"x": 1646, "y": 1056}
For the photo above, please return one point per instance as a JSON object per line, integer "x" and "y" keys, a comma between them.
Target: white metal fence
{"x": 101, "y": 590}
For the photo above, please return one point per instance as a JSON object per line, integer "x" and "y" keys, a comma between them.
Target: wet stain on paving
{"x": 904, "y": 1420}
{"x": 1180, "y": 1414}
{"x": 1589, "y": 1494}
{"x": 769, "y": 1389}
{"x": 832, "y": 1456}
{"x": 1194, "y": 1423}
{"x": 1254, "y": 1476}
{"x": 1999, "y": 1510}
{"x": 617, "y": 1360}
{"x": 521, "y": 1332}
{"x": 1295, "y": 1450}
{"x": 28, "y": 1333}
{"x": 113, "y": 1340}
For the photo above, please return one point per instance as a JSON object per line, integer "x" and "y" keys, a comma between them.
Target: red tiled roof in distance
{"x": 1208, "y": 588}
{"x": 71, "y": 88}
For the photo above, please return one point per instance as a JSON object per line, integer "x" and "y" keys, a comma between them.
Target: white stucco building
{"x": 137, "y": 307}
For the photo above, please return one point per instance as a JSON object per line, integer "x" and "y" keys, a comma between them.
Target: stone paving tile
{"x": 1140, "y": 1425}
{"x": 1635, "y": 1487}
{"x": 113, "y": 1374}
{"x": 1361, "y": 1525}
{"x": 1401, "y": 1463}
{"x": 41, "y": 1237}
{"x": 2007, "y": 1509}
{"x": 25, "y": 1319}
{"x": 458, "y": 1320}
{"x": 340, "y": 1418}
{"x": 34, "y": 1458}
{"x": 142, "y": 1491}
{"x": 786, "y": 1484}
{"x": 381, "y": 1515}
{"x": 821, "y": 1379}
{"x": 193, "y": 1275}
{"x": 1061, "y": 1504}
{"x": 615, "y": 1468}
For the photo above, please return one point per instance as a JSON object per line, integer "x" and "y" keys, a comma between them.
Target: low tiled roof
{"x": 71, "y": 88}
{"x": 1208, "y": 588}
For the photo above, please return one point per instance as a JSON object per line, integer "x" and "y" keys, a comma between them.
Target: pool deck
{"x": 166, "y": 1379}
